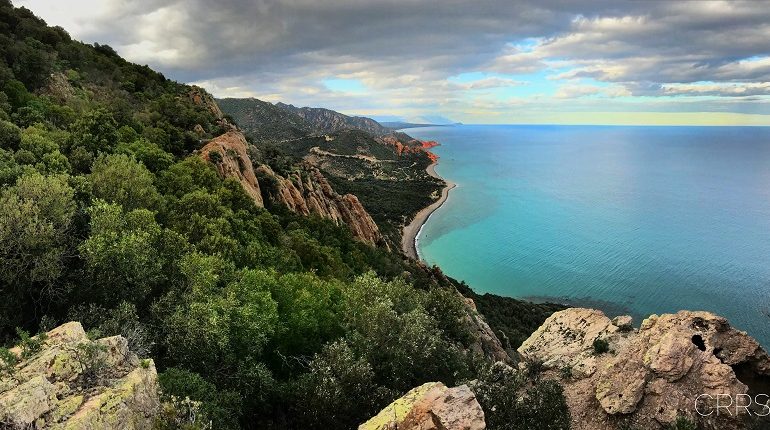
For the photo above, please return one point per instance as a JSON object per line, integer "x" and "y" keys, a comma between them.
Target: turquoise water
{"x": 635, "y": 220}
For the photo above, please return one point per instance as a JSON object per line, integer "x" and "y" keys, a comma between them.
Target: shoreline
{"x": 412, "y": 230}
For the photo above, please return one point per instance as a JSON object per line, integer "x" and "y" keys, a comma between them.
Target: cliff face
{"x": 199, "y": 96}
{"x": 228, "y": 153}
{"x": 648, "y": 377}
{"x": 75, "y": 383}
{"x": 307, "y": 192}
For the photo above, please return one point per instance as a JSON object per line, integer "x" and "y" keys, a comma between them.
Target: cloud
{"x": 405, "y": 52}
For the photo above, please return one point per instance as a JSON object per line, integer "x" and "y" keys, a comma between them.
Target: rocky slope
{"x": 73, "y": 383}
{"x": 649, "y": 377}
{"x": 431, "y": 406}
{"x": 307, "y": 192}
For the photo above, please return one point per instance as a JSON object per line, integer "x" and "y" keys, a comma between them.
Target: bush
{"x": 91, "y": 357}
{"x": 513, "y": 401}
{"x": 30, "y": 345}
{"x": 8, "y": 363}
{"x": 683, "y": 423}
{"x": 600, "y": 346}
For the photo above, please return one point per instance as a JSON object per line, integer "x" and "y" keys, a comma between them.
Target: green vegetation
{"x": 255, "y": 318}
{"x": 683, "y": 423}
{"x": 514, "y": 400}
{"x": 601, "y": 346}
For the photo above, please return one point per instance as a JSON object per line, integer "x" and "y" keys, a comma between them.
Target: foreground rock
{"x": 651, "y": 376}
{"x": 431, "y": 406}
{"x": 75, "y": 383}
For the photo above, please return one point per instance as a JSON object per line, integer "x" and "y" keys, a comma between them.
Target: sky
{"x": 657, "y": 62}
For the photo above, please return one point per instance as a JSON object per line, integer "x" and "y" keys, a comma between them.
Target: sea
{"x": 631, "y": 220}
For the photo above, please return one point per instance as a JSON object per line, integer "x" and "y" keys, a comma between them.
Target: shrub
{"x": 8, "y": 363}
{"x": 601, "y": 346}
{"x": 92, "y": 360}
{"x": 30, "y": 345}
{"x": 513, "y": 401}
{"x": 683, "y": 423}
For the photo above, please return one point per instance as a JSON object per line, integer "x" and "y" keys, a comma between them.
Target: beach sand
{"x": 409, "y": 234}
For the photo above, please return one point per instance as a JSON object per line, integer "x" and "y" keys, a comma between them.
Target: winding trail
{"x": 410, "y": 232}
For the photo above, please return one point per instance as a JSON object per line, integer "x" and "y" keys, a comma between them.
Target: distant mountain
{"x": 398, "y": 125}
{"x": 265, "y": 121}
{"x": 420, "y": 120}
{"x": 331, "y": 121}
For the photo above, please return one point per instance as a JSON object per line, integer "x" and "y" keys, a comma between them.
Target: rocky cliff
{"x": 674, "y": 365}
{"x": 307, "y": 192}
{"x": 69, "y": 382}
{"x": 228, "y": 153}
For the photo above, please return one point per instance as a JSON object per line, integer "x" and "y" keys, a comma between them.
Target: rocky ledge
{"x": 67, "y": 381}
{"x": 673, "y": 366}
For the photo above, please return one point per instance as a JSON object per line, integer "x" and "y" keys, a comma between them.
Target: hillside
{"x": 130, "y": 204}
{"x": 330, "y": 121}
{"x": 264, "y": 121}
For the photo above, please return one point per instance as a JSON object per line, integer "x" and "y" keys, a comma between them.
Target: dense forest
{"x": 265, "y": 318}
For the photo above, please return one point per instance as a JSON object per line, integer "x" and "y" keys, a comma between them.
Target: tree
{"x": 10, "y": 135}
{"x": 36, "y": 218}
{"x": 95, "y": 132}
{"x": 339, "y": 390}
{"x": 119, "y": 178}
{"x": 122, "y": 259}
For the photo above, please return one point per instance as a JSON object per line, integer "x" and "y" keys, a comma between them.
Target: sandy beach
{"x": 409, "y": 234}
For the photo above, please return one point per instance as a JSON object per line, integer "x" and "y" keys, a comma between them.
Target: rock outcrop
{"x": 228, "y": 153}
{"x": 431, "y": 406}
{"x": 75, "y": 383}
{"x": 201, "y": 97}
{"x": 485, "y": 342}
{"x": 673, "y": 365}
{"x": 307, "y": 192}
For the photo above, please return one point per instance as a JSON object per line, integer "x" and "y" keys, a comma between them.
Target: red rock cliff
{"x": 228, "y": 153}
{"x": 308, "y": 192}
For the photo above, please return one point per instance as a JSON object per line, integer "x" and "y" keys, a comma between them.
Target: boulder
{"x": 431, "y": 406}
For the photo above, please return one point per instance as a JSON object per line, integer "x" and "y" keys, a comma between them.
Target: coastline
{"x": 412, "y": 230}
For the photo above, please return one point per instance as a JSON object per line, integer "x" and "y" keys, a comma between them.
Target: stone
{"x": 431, "y": 406}
{"x": 565, "y": 340}
{"x": 26, "y": 403}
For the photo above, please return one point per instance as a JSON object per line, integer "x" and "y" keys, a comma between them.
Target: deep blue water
{"x": 635, "y": 220}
